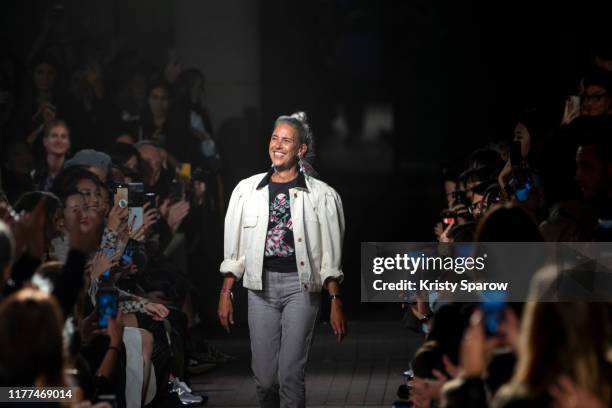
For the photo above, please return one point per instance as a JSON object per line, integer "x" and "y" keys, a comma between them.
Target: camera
{"x": 448, "y": 217}
{"x": 151, "y": 199}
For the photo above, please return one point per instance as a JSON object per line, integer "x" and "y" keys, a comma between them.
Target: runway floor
{"x": 365, "y": 370}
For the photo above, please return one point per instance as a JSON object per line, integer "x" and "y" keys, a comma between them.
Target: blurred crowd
{"x": 111, "y": 204}
{"x": 549, "y": 181}
{"x": 112, "y": 198}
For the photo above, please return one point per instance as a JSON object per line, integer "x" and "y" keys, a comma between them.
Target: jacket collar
{"x": 301, "y": 180}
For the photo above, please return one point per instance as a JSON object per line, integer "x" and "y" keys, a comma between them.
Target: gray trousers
{"x": 282, "y": 318}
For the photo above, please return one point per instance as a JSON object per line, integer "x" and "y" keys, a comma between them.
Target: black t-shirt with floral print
{"x": 279, "y": 253}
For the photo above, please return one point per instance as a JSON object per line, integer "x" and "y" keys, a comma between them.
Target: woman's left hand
{"x": 337, "y": 320}
{"x": 157, "y": 311}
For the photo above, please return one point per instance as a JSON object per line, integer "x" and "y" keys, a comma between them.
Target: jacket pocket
{"x": 249, "y": 221}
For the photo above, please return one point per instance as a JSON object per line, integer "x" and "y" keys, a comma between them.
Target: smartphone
{"x": 135, "y": 217}
{"x": 521, "y": 184}
{"x": 107, "y": 304}
{"x": 516, "y": 157}
{"x": 136, "y": 200}
{"x": 493, "y": 308}
{"x": 151, "y": 199}
{"x": 135, "y": 194}
{"x": 522, "y": 191}
{"x": 121, "y": 196}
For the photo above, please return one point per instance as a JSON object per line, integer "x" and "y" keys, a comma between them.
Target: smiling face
{"x": 75, "y": 210}
{"x": 285, "y": 147}
{"x": 57, "y": 142}
{"x": 91, "y": 193}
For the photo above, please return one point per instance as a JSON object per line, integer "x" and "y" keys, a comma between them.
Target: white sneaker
{"x": 184, "y": 393}
{"x": 184, "y": 386}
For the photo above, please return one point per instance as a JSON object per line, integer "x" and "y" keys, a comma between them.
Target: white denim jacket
{"x": 318, "y": 231}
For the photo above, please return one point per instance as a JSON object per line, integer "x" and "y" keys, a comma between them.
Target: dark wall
{"x": 456, "y": 73}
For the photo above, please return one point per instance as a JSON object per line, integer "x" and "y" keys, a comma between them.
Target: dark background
{"x": 417, "y": 84}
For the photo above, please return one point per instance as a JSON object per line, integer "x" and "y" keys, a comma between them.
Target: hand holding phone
{"x": 136, "y": 201}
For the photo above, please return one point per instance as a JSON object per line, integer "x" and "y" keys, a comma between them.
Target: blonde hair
{"x": 563, "y": 339}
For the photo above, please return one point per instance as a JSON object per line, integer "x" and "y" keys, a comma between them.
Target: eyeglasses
{"x": 596, "y": 97}
{"x": 476, "y": 208}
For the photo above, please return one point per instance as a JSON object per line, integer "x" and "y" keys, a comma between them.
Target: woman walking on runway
{"x": 283, "y": 237}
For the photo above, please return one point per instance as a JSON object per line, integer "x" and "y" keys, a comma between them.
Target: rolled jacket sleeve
{"x": 233, "y": 258}
{"x": 331, "y": 218}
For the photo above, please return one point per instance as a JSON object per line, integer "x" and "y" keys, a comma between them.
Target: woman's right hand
{"x": 116, "y": 217}
{"x": 226, "y": 310}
